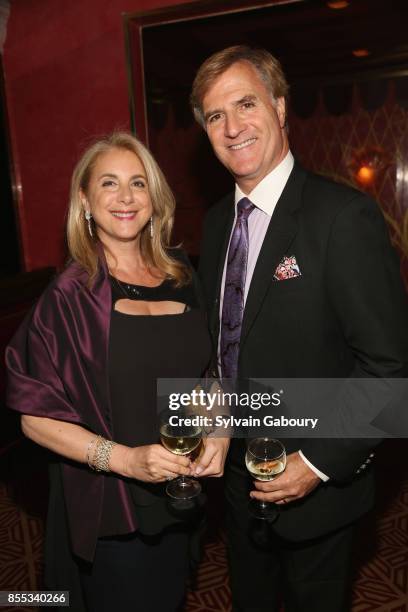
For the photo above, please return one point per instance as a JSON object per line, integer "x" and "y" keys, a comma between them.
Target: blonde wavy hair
{"x": 155, "y": 250}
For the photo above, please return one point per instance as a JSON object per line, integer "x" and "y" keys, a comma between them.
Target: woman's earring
{"x": 88, "y": 218}
{"x": 151, "y": 227}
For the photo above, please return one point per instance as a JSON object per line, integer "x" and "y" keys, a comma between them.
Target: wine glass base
{"x": 185, "y": 488}
{"x": 263, "y": 510}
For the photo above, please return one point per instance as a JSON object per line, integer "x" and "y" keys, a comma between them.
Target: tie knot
{"x": 244, "y": 207}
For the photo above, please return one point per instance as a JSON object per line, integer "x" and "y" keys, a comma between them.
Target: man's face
{"x": 245, "y": 125}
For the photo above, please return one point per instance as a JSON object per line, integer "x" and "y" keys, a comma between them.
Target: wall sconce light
{"x": 365, "y": 175}
{"x": 367, "y": 164}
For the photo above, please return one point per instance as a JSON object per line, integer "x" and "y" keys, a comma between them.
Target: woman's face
{"x": 118, "y": 197}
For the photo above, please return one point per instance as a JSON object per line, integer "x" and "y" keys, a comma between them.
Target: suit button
{"x": 372, "y": 455}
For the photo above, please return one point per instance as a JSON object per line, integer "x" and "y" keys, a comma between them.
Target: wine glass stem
{"x": 182, "y": 479}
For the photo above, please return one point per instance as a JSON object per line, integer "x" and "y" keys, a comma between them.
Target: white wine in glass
{"x": 265, "y": 459}
{"x": 265, "y": 470}
{"x": 179, "y": 445}
{"x": 181, "y": 439}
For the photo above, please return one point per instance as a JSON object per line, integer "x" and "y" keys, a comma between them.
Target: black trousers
{"x": 312, "y": 576}
{"x": 137, "y": 573}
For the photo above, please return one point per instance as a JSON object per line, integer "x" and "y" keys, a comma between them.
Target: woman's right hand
{"x": 154, "y": 463}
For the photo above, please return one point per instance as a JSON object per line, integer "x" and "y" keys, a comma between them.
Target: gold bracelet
{"x": 103, "y": 451}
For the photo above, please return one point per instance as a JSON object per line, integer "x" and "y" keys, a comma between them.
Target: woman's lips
{"x": 124, "y": 216}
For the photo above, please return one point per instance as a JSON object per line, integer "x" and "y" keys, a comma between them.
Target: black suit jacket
{"x": 345, "y": 316}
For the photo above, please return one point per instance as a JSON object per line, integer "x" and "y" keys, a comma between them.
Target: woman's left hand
{"x": 211, "y": 462}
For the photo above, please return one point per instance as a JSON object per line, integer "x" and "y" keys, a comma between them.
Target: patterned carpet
{"x": 381, "y": 560}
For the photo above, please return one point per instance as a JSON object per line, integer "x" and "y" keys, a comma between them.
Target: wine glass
{"x": 265, "y": 459}
{"x": 181, "y": 438}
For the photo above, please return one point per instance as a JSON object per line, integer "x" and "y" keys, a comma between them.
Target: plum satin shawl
{"x": 58, "y": 368}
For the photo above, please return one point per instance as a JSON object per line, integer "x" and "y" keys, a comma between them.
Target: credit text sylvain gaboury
{"x": 219, "y": 399}
{"x": 226, "y": 422}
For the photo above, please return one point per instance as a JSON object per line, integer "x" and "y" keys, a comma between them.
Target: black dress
{"x": 143, "y": 348}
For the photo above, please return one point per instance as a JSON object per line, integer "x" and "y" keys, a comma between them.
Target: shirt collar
{"x": 267, "y": 193}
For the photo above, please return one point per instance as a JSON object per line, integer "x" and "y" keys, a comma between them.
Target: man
{"x": 310, "y": 288}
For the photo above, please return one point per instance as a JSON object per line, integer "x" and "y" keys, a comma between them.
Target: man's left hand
{"x": 297, "y": 481}
{"x": 211, "y": 462}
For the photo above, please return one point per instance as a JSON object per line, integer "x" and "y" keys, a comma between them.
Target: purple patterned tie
{"x": 233, "y": 302}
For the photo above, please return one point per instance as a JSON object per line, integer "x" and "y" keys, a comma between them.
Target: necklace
{"x": 135, "y": 292}
{"x": 129, "y": 291}
{"x": 163, "y": 292}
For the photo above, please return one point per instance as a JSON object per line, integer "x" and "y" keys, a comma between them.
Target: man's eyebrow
{"x": 243, "y": 100}
{"x": 247, "y": 98}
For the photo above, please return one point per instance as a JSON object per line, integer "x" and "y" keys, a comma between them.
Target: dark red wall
{"x": 66, "y": 81}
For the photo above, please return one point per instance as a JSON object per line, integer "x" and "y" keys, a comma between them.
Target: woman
{"x": 83, "y": 369}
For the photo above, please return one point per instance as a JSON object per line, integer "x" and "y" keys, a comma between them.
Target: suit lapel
{"x": 221, "y": 235}
{"x": 281, "y": 232}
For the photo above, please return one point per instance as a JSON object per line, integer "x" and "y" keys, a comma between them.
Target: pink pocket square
{"x": 287, "y": 268}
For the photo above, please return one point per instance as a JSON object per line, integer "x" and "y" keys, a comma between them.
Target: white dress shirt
{"x": 264, "y": 196}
